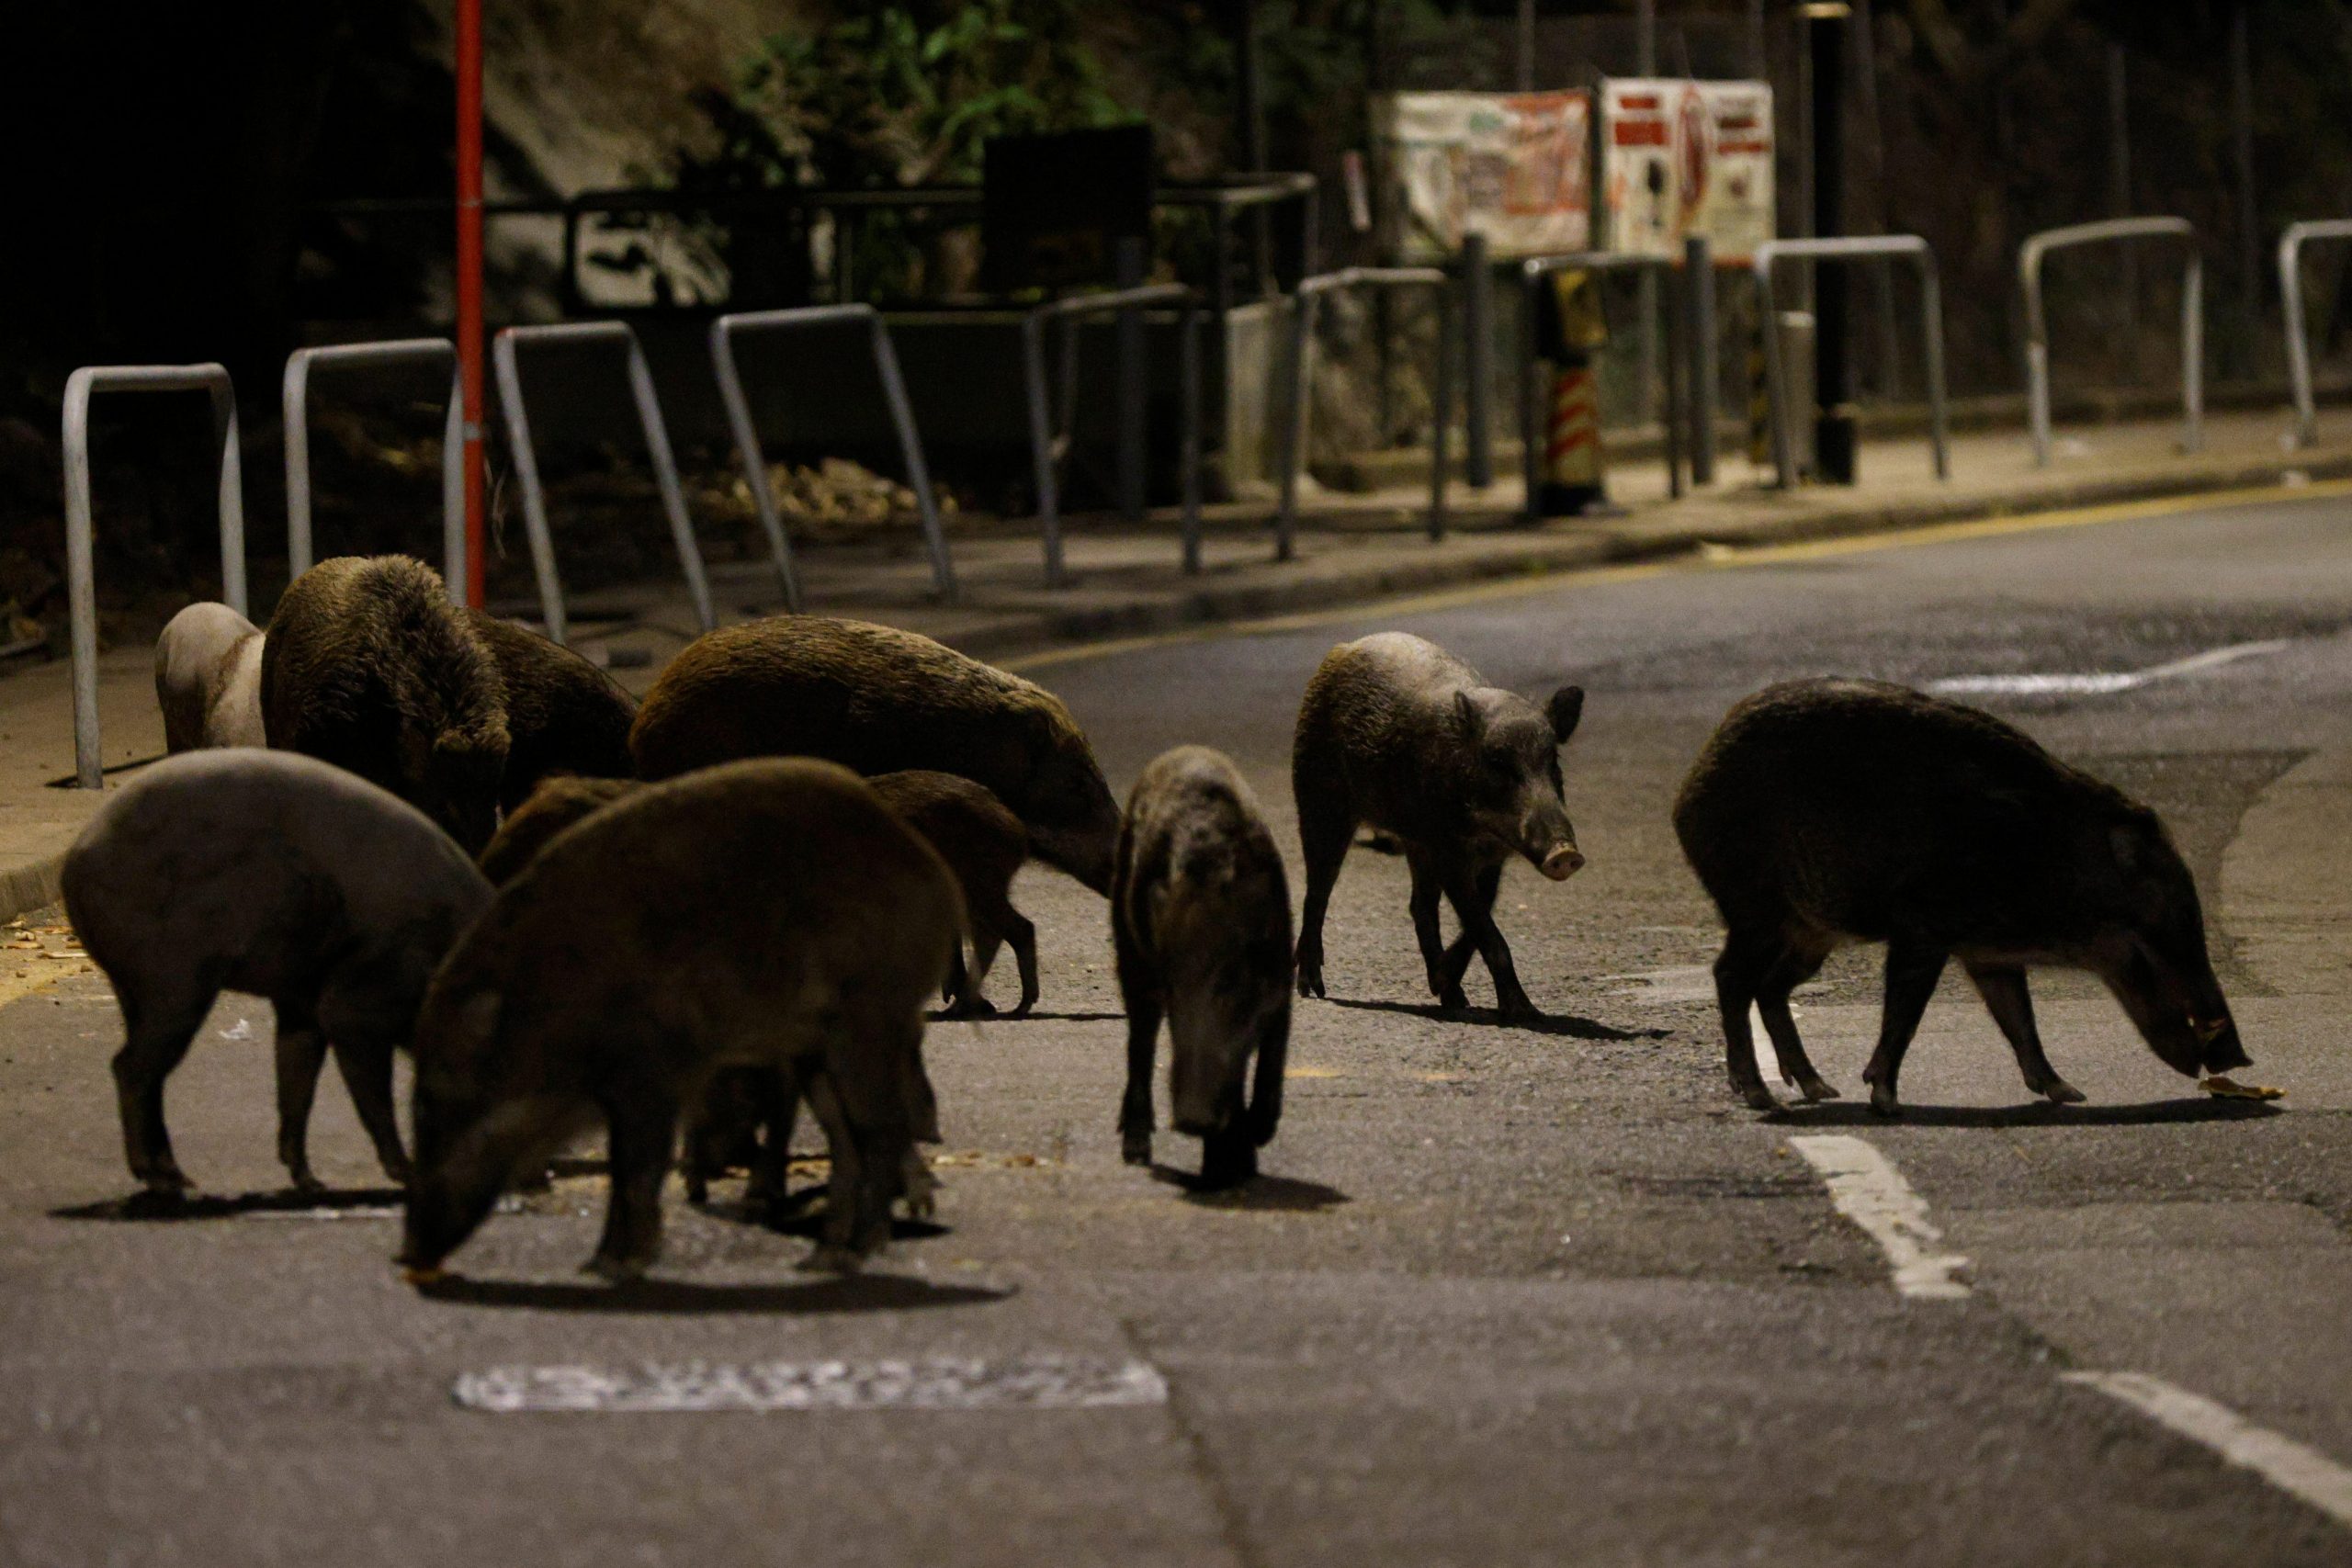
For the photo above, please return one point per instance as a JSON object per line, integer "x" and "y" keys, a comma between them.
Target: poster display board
{"x": 1512, "y": 166}
{"x": 1681, "y": 158}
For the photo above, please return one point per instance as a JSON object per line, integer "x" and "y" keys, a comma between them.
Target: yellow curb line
{"x": 1730, "y": 559}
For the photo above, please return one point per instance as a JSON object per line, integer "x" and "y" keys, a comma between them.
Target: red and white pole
{"x": 470, "y": 333}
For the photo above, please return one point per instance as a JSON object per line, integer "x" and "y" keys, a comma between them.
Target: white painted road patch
{"x": 2291, "y": 1466}
{"x": 930, "y": 1382}
{"x": 2099, "y": 685}
{"x": 1868, "y": 1190}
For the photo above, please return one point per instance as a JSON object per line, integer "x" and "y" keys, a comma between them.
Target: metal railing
{"x": 1531, "y": 274}
{"x": 1869, "y": 247}
{"x": 746, "y": 437}
{"x": 1301, "y": 385}
{"x": 295, "y": 402}
{"x": 2291, "y": 301}
{"x": 1043, "y": 445}
{"x": 2192, "y": 317}
{"x": 657, "y": 447}
{"x": 81, "y": 587}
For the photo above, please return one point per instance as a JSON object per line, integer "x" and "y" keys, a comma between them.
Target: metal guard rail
{"x": 1040, "y": 438}
{"x": 295, "y": 404}
{"x": 746, "y": 437}
{"x": 81, "y": 586}
{"x": 2192, "y": 317}
{"x": 657, "y": 446}
{"x": 1860, "y": 247}
{"x": 2291, "y": 301}
{"x": 1302, "y": 341}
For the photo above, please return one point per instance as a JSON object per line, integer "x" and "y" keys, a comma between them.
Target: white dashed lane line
{"x": 1869, "y": 1191}
{"x": 1043, "y": 1381}
{"x": 2102, "y": 684}
{"x": 2291, "y": 1466}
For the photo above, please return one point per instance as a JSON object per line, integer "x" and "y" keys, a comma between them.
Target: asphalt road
{"x": 1506, "y": 1294}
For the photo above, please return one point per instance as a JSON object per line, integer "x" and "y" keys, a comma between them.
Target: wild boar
{"x": 207, "y": 678}
{"x": 275, "y": 874}
{"x": 558, "y": 802}
{"x": 984, "y": 845}
{"x": 878, "y": 700}
{"x": 1200, "y": 919}
{"x": 1830, "y": 811}
{"x": 1400, "y": 735}
{"x": 563, "y": 714}
{"x": 778, "y": 916}
{"x": 369, "y": 667}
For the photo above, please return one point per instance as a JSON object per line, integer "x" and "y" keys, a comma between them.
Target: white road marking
{"x": 2291, "y": 1466}
{"x": 930, "y": 1382}
{"x": 1869, "y": 1191}
{"x": 2101, "y": 685}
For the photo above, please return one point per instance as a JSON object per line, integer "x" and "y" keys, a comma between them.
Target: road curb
{"x": 33, "y": 886}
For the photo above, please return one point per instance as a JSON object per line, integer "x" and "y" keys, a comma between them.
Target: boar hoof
{"x": 165, "y": 1181}
{"x": 831, "y": 1257}
{"x": 1135, "y": 1147}
{"x": 1884, "y": 1102}
{"x": 615, "y": 1271}
{"x": 1813, "y": 1088}
{"x": 2061, "y": 1092}
{"x": 303, "y": 1182}
{"x": 970, "y": 1007}
{"x": 1519, "y": 1009}
{"x": 1758, "y": 1097}
{"x": 1452, "y": 998}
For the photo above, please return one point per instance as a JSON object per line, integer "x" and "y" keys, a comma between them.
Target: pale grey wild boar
{"x": 1825, "y": 812}
{"x": 369, "y": 666}
{"x": 877, "y": 700}
{"x": 563, "y": 714}
{"x": 1200, "y": 918}
{"x": 778, "y": 916}
{"x": 280, "y": 875}
{"x": 207, "y": 678}
{"x": 1400, "y": 735}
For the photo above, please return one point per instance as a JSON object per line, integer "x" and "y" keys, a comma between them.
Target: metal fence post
{"x": 81, "y": 586}
{"x": 1698, "y": 279}
{"x": 1877, "y": 247}
{"x": 295, "y": 404}
{"x": 2192, "y": 320}
{"x": 656, "y": 448}
{"x": 1478, "y": 294}
{"x": 2290, "y": 304}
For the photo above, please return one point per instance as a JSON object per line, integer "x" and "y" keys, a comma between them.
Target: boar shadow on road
{"x": 1541, "y": 1023}
{"x": 1272, "y": 1194}
{"x": 147, "y": 1205}
{"x": 2027, "y": 1114}
{"x": 806, "y": 1218}
{"x": 855, "y": 1292}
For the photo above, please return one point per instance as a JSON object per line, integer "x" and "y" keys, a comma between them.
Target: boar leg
{"x": 1428, "y": 886}
{"x": 768, "y": 1188}
{"x": 367, "y": 1068}
{"x": 1266, "y": 1089}
{"x": 641, "y": 1126}
{"x": 1477, "y": 919}
{"x": 157, "y": 1039}
{"x": 1796, "y": 965}
{"x": 1022, "y": 936}
{"x": 1140, "y": 989}
{"x": 1738, "y": 970}
{"x": 2004, "y": 989}
{"x": 1913, "y": 967}
{"x": 1324, "y": 836}
{"x": 837, "y": 1253}
{"x": 301, "y": 1053}
{"x": 1458, "y": 955}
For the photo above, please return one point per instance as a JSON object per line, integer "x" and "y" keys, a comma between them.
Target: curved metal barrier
{"x": 1532, "y": 273}
{"x": 295, "y": 402}
{"x": 1302, "y": 342}
{"x": 656, "y": 448}
{"x": 1858, "y": 247}
{"x": 747, "y": 438}
{"x": 1042, "y": 444}
{"x": 2290, "y": 302}
{"x": 81, "y": 588}
{"x": 2192, "y": 317}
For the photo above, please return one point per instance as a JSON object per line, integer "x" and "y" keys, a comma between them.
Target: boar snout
{"x": 1562, "y": 862}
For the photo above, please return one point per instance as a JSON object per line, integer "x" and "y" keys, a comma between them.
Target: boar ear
{"x": 1564, "y": 709}
{"x": 1473, "y": 723}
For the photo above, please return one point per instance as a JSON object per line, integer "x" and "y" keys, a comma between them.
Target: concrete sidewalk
{"x": 1127, "y": 580}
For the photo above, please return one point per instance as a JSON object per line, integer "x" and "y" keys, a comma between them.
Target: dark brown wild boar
{"x": 369, "y": 666}
{"x": 1200, "y": 915}
{"x": 555, "y": 805}
{"x": 276, "y": 875}
{"x": 777, "y": 917}
{"x": 984, "y": 845}
{"x": 1398, "y": 734}
{"x": 1827, "y": 811}
{"x": 879, "y": 701}
{"x": 563, "y": 714}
